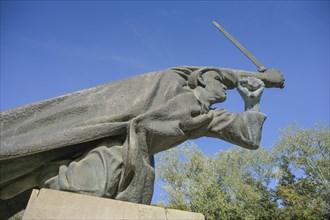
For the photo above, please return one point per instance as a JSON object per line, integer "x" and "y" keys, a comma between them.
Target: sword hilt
{"x": 262, "y": 69}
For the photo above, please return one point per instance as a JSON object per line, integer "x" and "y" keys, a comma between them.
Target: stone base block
{"x": 52, "y": 204}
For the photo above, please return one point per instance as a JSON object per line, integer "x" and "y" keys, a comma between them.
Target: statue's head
{"x": 210, "y": 86}
{"x": 210, "y": 82}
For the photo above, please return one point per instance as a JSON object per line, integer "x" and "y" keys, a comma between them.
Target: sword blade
{"x": 240, "y": 46}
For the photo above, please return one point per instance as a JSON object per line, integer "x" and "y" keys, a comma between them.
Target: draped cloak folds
{"x": 88, "y": 115}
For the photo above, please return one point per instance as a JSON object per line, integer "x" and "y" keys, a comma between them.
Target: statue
{"x": 101, "y": 141}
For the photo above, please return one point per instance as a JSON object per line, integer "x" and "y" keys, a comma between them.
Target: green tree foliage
{"x": 290, "y": 182}
{"x": 306, "y": 152}
{"x": 228, "y": 185}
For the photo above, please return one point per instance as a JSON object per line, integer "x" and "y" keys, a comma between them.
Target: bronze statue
{"x": 101, "y": 141}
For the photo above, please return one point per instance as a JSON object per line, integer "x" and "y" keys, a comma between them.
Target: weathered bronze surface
{"x": 101, "y": 141}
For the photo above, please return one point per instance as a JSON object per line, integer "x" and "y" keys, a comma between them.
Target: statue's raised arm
{"x": 272, "y": 78}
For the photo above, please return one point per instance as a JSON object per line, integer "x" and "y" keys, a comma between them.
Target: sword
{"x": 261, "y": 67}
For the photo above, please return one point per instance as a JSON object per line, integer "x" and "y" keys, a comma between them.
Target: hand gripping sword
{"x": 261, "y": 67}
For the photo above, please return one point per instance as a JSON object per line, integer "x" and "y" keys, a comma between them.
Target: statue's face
{"x": 214, "y": 90}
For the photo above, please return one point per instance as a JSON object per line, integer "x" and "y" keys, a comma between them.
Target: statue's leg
{"x": 98, "y": 173}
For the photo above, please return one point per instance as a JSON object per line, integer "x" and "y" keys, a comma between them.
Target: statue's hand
{"x": 274, "y": 78}
{"x": 251, "y": 89}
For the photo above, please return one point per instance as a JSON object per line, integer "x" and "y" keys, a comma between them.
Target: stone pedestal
{"x": 52, "y": 204}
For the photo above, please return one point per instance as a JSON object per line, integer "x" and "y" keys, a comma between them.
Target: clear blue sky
{"x": 50, "y": 48}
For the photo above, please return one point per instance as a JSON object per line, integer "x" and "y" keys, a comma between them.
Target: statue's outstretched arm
{"x": 241, "y": 129}
{"x": 272, "y": 78}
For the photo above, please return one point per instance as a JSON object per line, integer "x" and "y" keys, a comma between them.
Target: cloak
{"x": 86, "y": 115}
